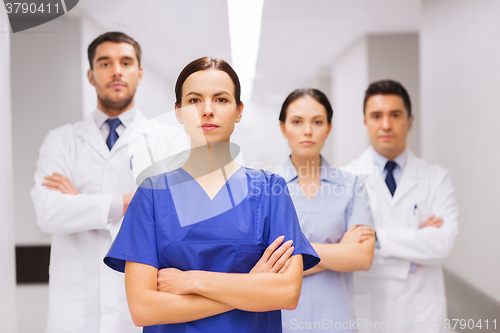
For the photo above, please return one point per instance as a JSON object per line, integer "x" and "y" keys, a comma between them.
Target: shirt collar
{"x": 126, "y": 117}
{"x": 380, "y": 161}
{"x": 326, "y": 173}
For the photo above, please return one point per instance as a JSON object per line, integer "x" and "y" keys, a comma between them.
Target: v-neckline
{"x": 219, "y": 190}
{"x": 305, "y": 196}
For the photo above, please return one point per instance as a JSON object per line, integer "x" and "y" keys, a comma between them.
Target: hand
{"x": 357, "y": 234}
{"x": 126, "y": 201}
{"x": 173, "y": 281}
{"x": 275, "y": 260}
{"x": 433, "y": 221}
{"x": 58, "y": 182}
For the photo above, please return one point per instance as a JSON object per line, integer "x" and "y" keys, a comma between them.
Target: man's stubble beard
{"x": 117, "y": 105}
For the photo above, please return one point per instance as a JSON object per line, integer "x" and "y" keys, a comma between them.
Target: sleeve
{"x": 430, "y": 245}
{"x": 115, "y": 209}
{"x": 136, "y": 240}
{"x": 387, "y": 268}
{"x": 283, "y": 220}
{"x": 59, "y": 213}
{"x": 358, "y": 210}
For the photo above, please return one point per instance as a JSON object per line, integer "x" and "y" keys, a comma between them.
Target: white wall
{"x": 7, "y": 264}
{"x": 460, "y": 80}
{"x": 349, "y": 81}
{"x": 46, "y": 93}
{"x": 396, "y": 57}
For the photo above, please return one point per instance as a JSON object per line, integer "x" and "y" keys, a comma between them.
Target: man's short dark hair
{"x": 115, "y": 37}
{"x": 388, "y": 87}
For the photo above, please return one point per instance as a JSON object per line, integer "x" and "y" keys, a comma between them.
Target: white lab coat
{"x": 388, "y": 292}
{"x": 84, "y": 294}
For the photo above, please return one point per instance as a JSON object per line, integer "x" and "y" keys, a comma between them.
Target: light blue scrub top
{"x": 171, "y": 222}
{"x": 326, "y": 298}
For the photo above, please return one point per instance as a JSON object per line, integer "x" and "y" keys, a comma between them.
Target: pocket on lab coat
{"x": 66, "y": 296}
{"x": 430, "y": 311}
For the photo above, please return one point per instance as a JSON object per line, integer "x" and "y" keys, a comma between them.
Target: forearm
{"x": 151, "y": 307}
{"x": 346, "y": 257}
{"x": 59, "y": 213}
{"x": 314, "y": 270}
{"x": 251, "y": 292}
{"x": 156, "y": 307}
{"x": 428, "y": 245}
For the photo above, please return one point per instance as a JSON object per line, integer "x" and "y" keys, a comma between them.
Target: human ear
{"x": 329, "y": 128}
{"x": 283, "y": 131}
{"x": 410, "y": 122}
{"x": 139, "y": 81}
{"x": 239, "y": 113}
{"x": 178, "y": 115}
{"x": 90, "y": 76}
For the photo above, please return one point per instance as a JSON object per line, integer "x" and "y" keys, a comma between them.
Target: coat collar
{"x": 89, "y": 131}
{"x": 409, "y": 178}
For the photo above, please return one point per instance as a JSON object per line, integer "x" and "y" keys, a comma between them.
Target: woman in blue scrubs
{"x": 334, "y": 214}
{"x": 191, "y": 236}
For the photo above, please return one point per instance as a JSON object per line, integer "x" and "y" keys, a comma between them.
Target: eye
{"x": 105, "y": 64}
{"x": 396, "y": 115}
{"x": 126, "y": 63}
{"x": 375, "y": 116}
{"x": 222, "y": 100}
{"x": 295, "y": 122}
{"x": 318, "y": 122}
{"x": 193, "y": 100}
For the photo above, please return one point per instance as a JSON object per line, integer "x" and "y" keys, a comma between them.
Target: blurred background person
{"x": 83, "y": 185}
{"x": 334, "y": 214}
{"x": 415, "y": 213}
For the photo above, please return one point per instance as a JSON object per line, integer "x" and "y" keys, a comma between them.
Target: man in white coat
{"x": 415, "y": 216}
{"x": 83, "y": 185}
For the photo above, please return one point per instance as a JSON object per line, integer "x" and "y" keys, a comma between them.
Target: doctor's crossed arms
{"x": 58, "y": 182}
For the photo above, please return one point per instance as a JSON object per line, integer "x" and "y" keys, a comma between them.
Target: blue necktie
{"x": 389, "y": 179}
{"x": 113, "y": 136}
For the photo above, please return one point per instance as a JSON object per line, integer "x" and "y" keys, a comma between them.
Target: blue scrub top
{"x": 326, "y": 300}
{"x": 171, "y": 222}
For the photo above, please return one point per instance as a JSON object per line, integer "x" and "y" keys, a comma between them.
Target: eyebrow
{"x": 391, "y": 111}
{"x": 107, "y": 58}
{"x": 216, "y": 94}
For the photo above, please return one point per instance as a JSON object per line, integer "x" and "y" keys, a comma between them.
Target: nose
{"x": 307, "y": 129}
{"x": 386, "y": 124}
{"x": 207, "y": 110}
{"x": 117, "y": 70}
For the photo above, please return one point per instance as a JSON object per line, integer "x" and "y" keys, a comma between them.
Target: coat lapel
{"x": 90, "y": 133}
{"x": 409, "y": 178}
{"x": 375, "y": 181}
{"x": 123, "y": 139}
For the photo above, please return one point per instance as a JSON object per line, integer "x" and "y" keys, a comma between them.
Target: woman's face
{"x": 306, "y": 127}
{"x": 208, "y": 107}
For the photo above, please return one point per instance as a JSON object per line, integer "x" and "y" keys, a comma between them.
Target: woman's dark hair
{"x": 115, "y": 37}
{"x": 388, "y": 87}
{"x": 314, "y": 93}
{"x": 202, "y": 64}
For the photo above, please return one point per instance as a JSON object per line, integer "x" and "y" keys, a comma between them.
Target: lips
{"x": 209, "y": 127}
{"x": 117, "y": 85}
{"x": 307, "y": 143}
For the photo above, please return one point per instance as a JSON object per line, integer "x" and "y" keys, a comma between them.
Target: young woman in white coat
{"x": 334, "y": 214}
